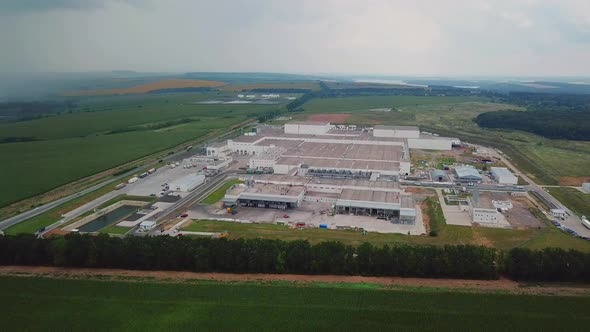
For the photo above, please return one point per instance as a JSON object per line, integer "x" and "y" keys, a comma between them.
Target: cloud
{"x": 10, "y": 7}
{"x": 453, "y": 37}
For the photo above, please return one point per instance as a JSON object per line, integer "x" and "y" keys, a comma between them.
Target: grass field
{"x": 574, "y": 199}
{"x": 72, "y": 146}
{"x": 540, "y": 158}
{"x": 114, "y": 229}
{"x": 97, "y": 305}
{"x": 447, "y": 234}
{"x": 218, "y": 194}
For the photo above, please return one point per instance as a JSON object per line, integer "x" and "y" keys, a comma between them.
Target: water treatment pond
{"x": 109, "y": 218}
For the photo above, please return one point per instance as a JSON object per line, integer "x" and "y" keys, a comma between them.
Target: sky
{"x": 384, "y": 37}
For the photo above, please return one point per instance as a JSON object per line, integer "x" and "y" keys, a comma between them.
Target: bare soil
{"x": 573, "y": 180}
{"x": 482, "y": 286}
{"x": 147, "y": 87}
{"x": 333, "y": 117}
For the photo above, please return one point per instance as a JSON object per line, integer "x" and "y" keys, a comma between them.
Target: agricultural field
{"x": 540, "y": 158}
{"x": 148, "y": 87}
{"x": 447, "y": 234}
{"x": 574, "y": 199}
{"x": 281, "y": 85}
{"x": 104, "y": 133}
{"x": 140, "y": 305}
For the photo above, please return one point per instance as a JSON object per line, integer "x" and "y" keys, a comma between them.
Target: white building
{"x": 503, "y": 175}
{"x": 396, "y": 131}
{"x": 218, "y": 149}
{"x": 586, "y": 187}
{"x": 267, "y": 158}
{"x": 146, "y": 225}
{"x": 188, "y": 182}
{"x": 307, "y": 128}
{"x": 558, "y": 213}
{"x": 481, "y": 215}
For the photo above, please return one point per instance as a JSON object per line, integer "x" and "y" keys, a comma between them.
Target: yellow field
{"x": 147, "y": 87}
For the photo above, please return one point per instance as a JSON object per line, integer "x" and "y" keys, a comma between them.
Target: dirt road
{"x": 481, "y": 286}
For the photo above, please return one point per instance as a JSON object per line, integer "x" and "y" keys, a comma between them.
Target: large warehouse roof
{"x": 385, "y": 127}
{"x": 467, "y": 172}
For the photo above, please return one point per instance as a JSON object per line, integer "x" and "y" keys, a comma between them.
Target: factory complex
{"x": 356, "y": 170}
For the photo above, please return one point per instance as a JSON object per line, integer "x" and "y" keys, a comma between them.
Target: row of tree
{"x": 300, "y": 257}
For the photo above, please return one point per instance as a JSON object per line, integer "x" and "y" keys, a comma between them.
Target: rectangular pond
{"x": 109, "y": 218}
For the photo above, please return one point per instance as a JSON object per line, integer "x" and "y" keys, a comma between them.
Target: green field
{"x": 82, "y": 305}
{"x": 218, "y": 194}
{"x": 71, "y": 146}
{"x": 447, "y": 234}
{"x": 540, "y": 158}
{"x": 574, "y": 199}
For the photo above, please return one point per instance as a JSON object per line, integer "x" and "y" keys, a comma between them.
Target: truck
{"x": 151, "y": 170}
{"x": 120, "y": 185}
{"x": 188, "y": 147}
{"x": 143, "y": 175}
{"x": 132, "y": 180}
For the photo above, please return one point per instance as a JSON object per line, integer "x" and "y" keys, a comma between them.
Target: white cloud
{"x": 460, "y": 37}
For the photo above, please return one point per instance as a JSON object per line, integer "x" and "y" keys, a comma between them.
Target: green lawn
{"x": 218, "y": 194}
{"x": 574, "y": 199}
{"x": 447, "y": 234}
{"x": 80, "y": 305}
{"x": 114, "y": 229}
{"x": 75, "y": 145}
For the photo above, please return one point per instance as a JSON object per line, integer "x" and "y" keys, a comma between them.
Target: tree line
{"x": 298, "y": 257}
{"x": 572, "y": 125}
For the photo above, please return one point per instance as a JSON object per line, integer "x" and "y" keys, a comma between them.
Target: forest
{"x": 571, "y": 125}
{"x": 298, "y": 257}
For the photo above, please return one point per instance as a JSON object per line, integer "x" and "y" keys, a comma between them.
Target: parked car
{"x": 184, "y": 215}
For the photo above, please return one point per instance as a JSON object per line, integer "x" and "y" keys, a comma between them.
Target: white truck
{"x": 133, "y": 180}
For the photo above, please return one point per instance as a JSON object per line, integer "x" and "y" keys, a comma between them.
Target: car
{"x": 285, "y": 216}
{"x": 184, "y": 215}
{"x": 153, "y": 195}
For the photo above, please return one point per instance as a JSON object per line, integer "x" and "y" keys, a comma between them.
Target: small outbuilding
{"x": 586, "y": 187}
{"x": 147, "y": 225}
{"x": 439, "y": 176}
{"x": 467, "y": 173}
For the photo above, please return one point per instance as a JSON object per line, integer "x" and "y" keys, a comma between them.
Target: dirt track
{"x": 502, "y": 285}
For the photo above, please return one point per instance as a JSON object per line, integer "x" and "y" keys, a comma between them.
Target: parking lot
{"x": 311, "y": 214}
{"x": 152, "y": 184}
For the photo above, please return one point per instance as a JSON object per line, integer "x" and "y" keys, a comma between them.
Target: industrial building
{"x": 187, "y": 183}
{"x": 380, "y": 199}
{"x": 586, "y": 187}
{"x": 503, "y": 176}
{"x": 467, "y": 174}
{"x": 483, "y": 209}
{"x": 439, "y": 176}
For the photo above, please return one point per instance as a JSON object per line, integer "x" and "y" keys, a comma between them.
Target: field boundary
{"x": 391, "y": 283}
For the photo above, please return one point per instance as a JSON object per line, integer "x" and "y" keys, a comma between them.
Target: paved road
{"x": 572, "y": 221}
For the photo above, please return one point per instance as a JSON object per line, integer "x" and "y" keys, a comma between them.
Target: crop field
{"x": 147, "y": 87}
{"x": 574, "y": 199}
{"x": 351, "y": 104}
{"x": 106, "y": 132}
{"x": 540, "y": 158}
{"x": 282, "y": 85}
{"x": 447, "y": 234}
{"x": 138, "y": 305}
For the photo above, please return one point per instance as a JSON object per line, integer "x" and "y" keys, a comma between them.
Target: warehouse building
{"x": 503, "y": 176}
{"x": 467, "y": 174}
{"x": 265, "y": 195}
{"x": 307, "y": 128}
{"x": 396, "y": 131}
{"x": 439, "y": 176}
{"x": 187, "y": 183}
{"x": 586, "y": 187}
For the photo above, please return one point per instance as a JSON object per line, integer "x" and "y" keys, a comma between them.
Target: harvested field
{"x": 332, "y": 118}
{"x": 147, "y": 87}
{"x": 573, "y": 180}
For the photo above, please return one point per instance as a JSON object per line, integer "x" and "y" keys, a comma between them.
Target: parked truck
{"x": 120, "y": 185}
{"x": 132, "y": 180}
{"x": 143, "y": 175}
{"x": 151, "y": 170}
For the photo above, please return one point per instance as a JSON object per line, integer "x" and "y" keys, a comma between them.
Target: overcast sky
{"x": 437, "y": 37}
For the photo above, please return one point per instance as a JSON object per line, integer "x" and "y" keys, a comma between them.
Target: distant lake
{"x": 385, "y": 81}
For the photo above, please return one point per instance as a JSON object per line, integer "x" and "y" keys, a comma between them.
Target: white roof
{"x": 501, "y": 171}
{"x": 467, "y": 171}
{"x": 147, "y": 223}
